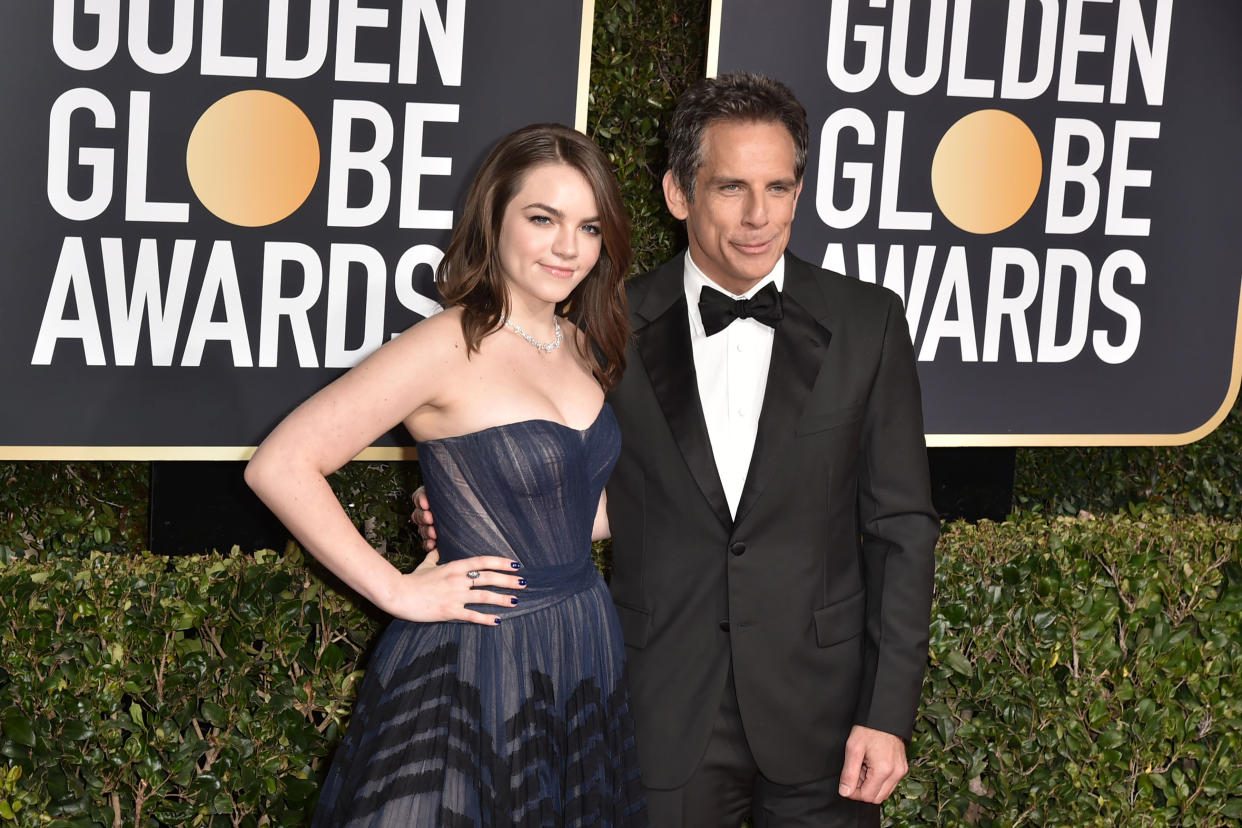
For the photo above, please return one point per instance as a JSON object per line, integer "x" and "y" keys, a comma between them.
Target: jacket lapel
{"x": 798, "y": 350}
{"x": 663, "y": 344}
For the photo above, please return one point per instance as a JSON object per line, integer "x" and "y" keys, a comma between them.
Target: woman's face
{"x": 550, "y": 236}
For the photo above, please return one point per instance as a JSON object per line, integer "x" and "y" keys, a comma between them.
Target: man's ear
{"x": 676, "y": 200}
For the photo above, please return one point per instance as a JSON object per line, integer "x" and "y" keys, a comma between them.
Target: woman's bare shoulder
{"x": 581, "y": 342}
{"x": 437, "y": 336}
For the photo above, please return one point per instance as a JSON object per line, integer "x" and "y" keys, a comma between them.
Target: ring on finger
{"x": 472, "y": 574}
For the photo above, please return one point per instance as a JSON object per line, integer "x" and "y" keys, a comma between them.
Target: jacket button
{"x": 738, "y": 548}
{"x": 724, "y": 625}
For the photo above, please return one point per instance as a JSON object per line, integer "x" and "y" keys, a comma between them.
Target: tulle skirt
{"x": 526, "y": 723}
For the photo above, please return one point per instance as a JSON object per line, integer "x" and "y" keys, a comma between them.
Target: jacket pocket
{"x": 840, "y": 621}
{"x": 814, "y": 421}
{"x": 635, "y": 625}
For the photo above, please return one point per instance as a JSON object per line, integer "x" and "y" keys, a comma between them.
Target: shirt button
{"x": 739, "y": 347}
{"x": 741, "y": 412}
{"x": 724, "y": 625}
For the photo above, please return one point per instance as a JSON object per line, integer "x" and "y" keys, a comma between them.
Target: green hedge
{"x": 1083, "y": 672}
{"x": 49, "y": 507}
{"x": 201, "y": 691}
{"x": 644, "y": 54}
{"x": 1201, "y": 478}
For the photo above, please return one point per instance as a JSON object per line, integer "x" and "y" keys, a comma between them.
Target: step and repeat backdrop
{"x": 213, "y": 208}
{"x": 1051, "y": 186}
{"x": 210, "y": 209}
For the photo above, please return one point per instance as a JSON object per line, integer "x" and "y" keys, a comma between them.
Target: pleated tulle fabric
{"x": 526, "y": 723}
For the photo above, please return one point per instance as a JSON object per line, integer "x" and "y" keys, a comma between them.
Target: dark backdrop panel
{"x": 1187, "y": 308}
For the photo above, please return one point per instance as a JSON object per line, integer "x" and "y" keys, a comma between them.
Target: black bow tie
{"x": 718, "y": 310}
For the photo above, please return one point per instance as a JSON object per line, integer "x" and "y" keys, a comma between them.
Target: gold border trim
{"x": 584, "y": 65}
{"x": 713, "y": 39}
{"x": 1231, "y": 396}
{"x": 234, "y": 453}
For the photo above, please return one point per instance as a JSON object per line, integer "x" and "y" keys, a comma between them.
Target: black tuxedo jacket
{"x": 819, "y": 592}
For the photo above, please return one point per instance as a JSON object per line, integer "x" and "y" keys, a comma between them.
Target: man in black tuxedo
{"x": 771, "y": 516}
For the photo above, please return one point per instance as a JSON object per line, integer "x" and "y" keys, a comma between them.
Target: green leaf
{"x": 214, "y": 713}
{"x": 1111, "y": 739}
{"x": 76, "y": 730}
{"x": 17, "y": 727}
{"x": 959, "y": 663}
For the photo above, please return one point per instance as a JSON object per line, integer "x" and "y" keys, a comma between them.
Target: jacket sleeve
{"x": 898, "y": 527}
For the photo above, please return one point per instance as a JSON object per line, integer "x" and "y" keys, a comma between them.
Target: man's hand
{"x": 422, "y": 518}
{"x": 875, "y": 762}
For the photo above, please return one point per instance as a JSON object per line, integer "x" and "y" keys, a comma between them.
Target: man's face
{"x": 744, "y": 200}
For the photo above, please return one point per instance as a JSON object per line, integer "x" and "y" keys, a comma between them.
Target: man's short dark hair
{"x": 736, "y": 97}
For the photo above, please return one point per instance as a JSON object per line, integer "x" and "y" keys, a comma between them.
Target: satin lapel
{"x": 798, "y": 350}
{"x": 664, "y": 346}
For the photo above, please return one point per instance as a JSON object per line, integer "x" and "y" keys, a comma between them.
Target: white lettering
{"x": 890, "y": 181}
{"x": 66, "y": 48}
{"x": 137, "y": 208}
{"x": 1152, "y": 53}
{"x": 856, "y": 171}
{"x": 1120, "y": 305}
{"x": 336, "y": 355}
{"x": 1074, "y": 44}
{"x": 214, "y": 61}
{"x": 160, "y": 63}
{"x": 349, "y": 19}
{"x": 1012, "y": 86}
{"x": 1121, "y": 177}
{"x": 1057, "y": 261}
{"x": 1061, "y": 174}
{"x": 902, "y": 80}
{"x": 279, "y": 64}
{"x": 295, "y": 308}
{"x": 343, "y": 160}
{"x": 871, "y": 38}
{"x": 410, "y": 261}
{"x": 163, "y": 315}
{"x": 895, "y": 275}
{"x": 446, "y": 35}
{"x": 220, "y": 281}
{"x": 960, "y": 85}
{"x": 999, "y": 305}
{"x": 414, "y": 165}
{"x": 954, "y": 287}
{"x": 99, "y": 159}
{"x": 72, "y": 276}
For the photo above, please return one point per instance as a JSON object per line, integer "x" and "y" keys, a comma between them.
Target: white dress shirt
{"x": 732, "y": 371}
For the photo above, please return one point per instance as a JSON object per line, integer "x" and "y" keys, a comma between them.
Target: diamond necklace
{"x": 545, "y": 347}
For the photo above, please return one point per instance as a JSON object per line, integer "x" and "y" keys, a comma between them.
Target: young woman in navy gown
{"x": 497, "y": 695}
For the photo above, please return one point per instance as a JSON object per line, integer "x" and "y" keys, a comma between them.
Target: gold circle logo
{"x": 253, "y": 158}
{"x": 986, "y": 171}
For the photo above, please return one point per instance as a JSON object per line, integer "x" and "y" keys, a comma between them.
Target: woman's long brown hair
{"x": 470, "y": 274}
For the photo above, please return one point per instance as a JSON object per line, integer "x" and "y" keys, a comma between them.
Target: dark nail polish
{"x": 521, "y": 582}
{"x": 515, "y": 564}
{"x": 497, "y": 620}
{"x": 512, "y": 600}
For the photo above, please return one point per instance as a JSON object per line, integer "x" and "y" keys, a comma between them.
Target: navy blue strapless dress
{"x": 526, "y": 723}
